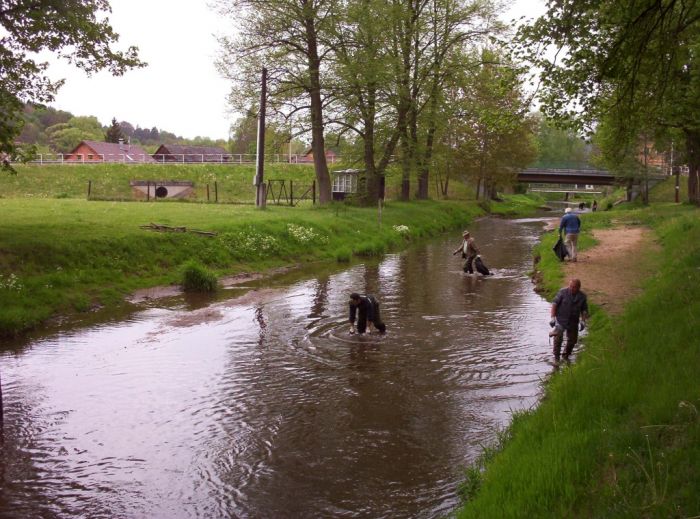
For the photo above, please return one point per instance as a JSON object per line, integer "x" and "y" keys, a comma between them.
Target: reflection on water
{"x": 264, "y": 405}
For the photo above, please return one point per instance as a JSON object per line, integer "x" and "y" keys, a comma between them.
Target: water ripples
{"x": 264, "y": 405}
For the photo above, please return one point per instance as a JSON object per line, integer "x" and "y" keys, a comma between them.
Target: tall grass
{"x": 196, "y": 278}
{"x": 618, "y": 433}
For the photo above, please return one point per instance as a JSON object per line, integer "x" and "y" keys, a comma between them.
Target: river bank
{"x": 617, "y": 432}
{"x": 73, "y": 257}
{"x": 237, "y": 405}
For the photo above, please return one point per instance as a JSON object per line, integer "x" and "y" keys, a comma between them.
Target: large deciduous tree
{"x": 632, "y": 63}
{"x": 288, "y": 37}
{"x": 493, "y": 130}
{"x": 74, "y": 29}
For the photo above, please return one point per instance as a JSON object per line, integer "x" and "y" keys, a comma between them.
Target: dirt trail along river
{"x": 263, "y": 405}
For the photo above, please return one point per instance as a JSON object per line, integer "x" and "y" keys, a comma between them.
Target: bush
{"x": 196, "y": 278}
{"x": 343, "y": 255}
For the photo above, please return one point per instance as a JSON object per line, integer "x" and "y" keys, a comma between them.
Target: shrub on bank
{"x": 196, "y": 278}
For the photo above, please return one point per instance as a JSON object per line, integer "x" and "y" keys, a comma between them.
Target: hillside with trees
{"x": 59, "y": 131}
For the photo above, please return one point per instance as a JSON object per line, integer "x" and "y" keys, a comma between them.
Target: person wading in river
{"x": 469, "y": 251}
{"x": 366, "y": 308}
{"x": 568, "y": 306}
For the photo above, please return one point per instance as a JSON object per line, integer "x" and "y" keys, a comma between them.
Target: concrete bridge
{"x": 595, "y": 177}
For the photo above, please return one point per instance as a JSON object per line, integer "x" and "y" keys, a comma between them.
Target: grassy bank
{"x": 618, "y": 433}
{"x": 233, "y": 182}
{"x": 62, "y": 256}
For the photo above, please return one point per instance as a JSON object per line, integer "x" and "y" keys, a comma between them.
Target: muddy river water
{"x": 263, "y": 405}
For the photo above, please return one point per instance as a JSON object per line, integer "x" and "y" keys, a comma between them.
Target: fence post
{"x": 291, "y": 193}
{"x": 216, "y": 192}
{"x": 313, "y": 192}
{"x": 207, "y": 192}
{"x": 89, "y": 188}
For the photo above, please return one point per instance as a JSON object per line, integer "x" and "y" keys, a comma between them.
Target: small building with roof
{"x": 188, "y": 154}
{"x": 97, "y": 151}
{"x": 308, "y": 157}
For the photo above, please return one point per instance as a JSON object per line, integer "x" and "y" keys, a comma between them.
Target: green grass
{"x": 196, "y": 278}
{"x": 516, "y": 205}
{"x": 618, "y": 433}
{"x": 67, "y": 255}
{"x": 232, "y": 183}
{"x": 666, "y": 190}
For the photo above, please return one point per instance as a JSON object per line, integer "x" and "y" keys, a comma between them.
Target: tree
{"x": 70, "y": 28}
{"x": 64, "y": 137}
{"x": 364, "y": 85}
{"x": 287, "y": 37}
{"x": 493, "y": 133}
{"x": 114, "y": 132}
{"x": 632, "y": 62}
{"x": 559, "y": 147}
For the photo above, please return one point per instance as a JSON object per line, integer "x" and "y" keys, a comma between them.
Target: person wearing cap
{"x": 469, "y": 251}
{"x": 366, "y": 310}
{"x": 568, "y": 306}
{"x": 571, "y": 225}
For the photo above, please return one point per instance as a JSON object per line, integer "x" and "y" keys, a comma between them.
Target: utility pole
{"x": 259, "y": 181}
{"x": 676, "y": 171}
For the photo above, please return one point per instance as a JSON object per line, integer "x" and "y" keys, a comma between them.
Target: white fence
{"x": 177, "y": 158}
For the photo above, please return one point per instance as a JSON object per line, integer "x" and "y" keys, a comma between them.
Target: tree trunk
{"x": 692, "y": 144}
{"x": 371, "y": 188}
{"x": 318, "y": 146}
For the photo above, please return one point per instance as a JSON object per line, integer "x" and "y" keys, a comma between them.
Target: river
{"x": 261, "y": 404}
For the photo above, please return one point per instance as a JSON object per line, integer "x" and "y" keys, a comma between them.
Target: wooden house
{"x": 97, "y": 151}
{"x": 189, "y": 154}
{"x": 308, "y": 157}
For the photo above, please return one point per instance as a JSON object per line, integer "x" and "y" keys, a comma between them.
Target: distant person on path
{"x": 568, "y": 306}
{"x": 366, "y": 309}
{"x": 581, "y": 206}
{"x": 571, "y": 225}
{"x": 594, "y": 207}
{"x": 469, "y": 251}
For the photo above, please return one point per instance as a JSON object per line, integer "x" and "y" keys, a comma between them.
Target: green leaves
{"x": 71, "y": 29}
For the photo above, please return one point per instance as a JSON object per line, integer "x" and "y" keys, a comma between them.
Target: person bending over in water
{"x": 366, "y": 308}
{"x": 469, "y": 251}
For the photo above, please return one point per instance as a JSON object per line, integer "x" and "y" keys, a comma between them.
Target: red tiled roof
{"x": 179, "y": 149}
{"x": 117, "y": 152}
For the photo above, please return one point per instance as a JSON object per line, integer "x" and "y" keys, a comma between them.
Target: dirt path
{"x": 613, "y": 271}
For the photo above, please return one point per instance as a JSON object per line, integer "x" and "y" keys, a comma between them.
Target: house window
{"x": 345, "y": 183}
{"x": 89, "y": 156}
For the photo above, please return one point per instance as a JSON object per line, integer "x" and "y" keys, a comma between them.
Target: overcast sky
{"x": 180, "y": 91}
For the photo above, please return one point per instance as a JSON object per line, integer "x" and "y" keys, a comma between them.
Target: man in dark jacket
{"x": 366, "y": 308}
{"x": 568, "y": 306}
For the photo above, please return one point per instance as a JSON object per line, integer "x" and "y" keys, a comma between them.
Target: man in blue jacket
{"x": 571, "y": 224}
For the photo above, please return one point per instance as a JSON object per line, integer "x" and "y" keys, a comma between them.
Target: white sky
{"x": 180, "y": 91}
